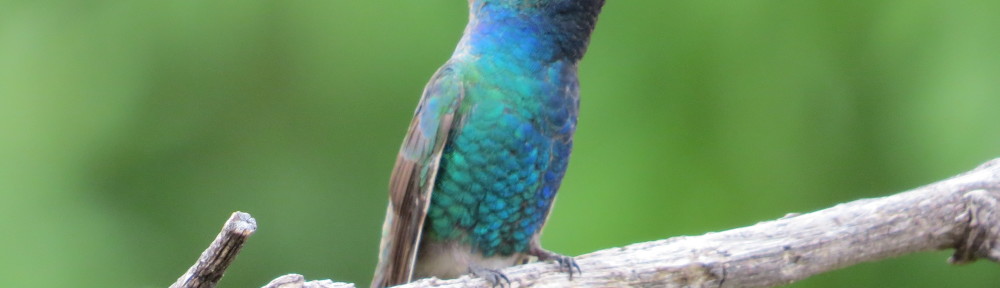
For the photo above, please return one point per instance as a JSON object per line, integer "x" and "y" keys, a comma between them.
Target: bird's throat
{"x": 530, "y": 30}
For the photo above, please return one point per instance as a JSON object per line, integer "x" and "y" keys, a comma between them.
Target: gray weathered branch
{"x": 209, "y": 268}
{"x": 960, "y": 213}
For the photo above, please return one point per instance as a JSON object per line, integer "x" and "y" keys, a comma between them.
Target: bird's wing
{"x": 413, "y": 176}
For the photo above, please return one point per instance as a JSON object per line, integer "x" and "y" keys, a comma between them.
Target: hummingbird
{"x": 488, "y": 145}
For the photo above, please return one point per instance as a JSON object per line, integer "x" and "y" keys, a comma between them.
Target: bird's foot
{"x": 566, "y": 263}
{"x": 490, "y": 275}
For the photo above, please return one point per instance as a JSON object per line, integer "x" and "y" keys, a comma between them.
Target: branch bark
{"x": 959, "y": 212}
{"x": 207, "y": 271}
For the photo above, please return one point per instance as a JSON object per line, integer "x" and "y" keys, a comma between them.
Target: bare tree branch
{"x": 960, "y": 212}
{"x": 213, "y": 262}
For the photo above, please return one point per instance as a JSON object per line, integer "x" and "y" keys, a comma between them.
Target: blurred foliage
{"x": 131, "y": 129}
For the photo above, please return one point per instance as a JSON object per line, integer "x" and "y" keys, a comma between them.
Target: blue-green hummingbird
{"x": 488, "y": 145}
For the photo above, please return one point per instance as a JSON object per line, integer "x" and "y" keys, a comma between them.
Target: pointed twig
{"x": 213, "y": 262}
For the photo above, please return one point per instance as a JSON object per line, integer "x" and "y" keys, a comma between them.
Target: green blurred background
{"x": 132, "y": 129}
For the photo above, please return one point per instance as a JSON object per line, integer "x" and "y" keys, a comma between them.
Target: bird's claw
{"x": 492, "y": 276}
{"x": 566, "y": 263}
{"x": 569, "y": 263}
